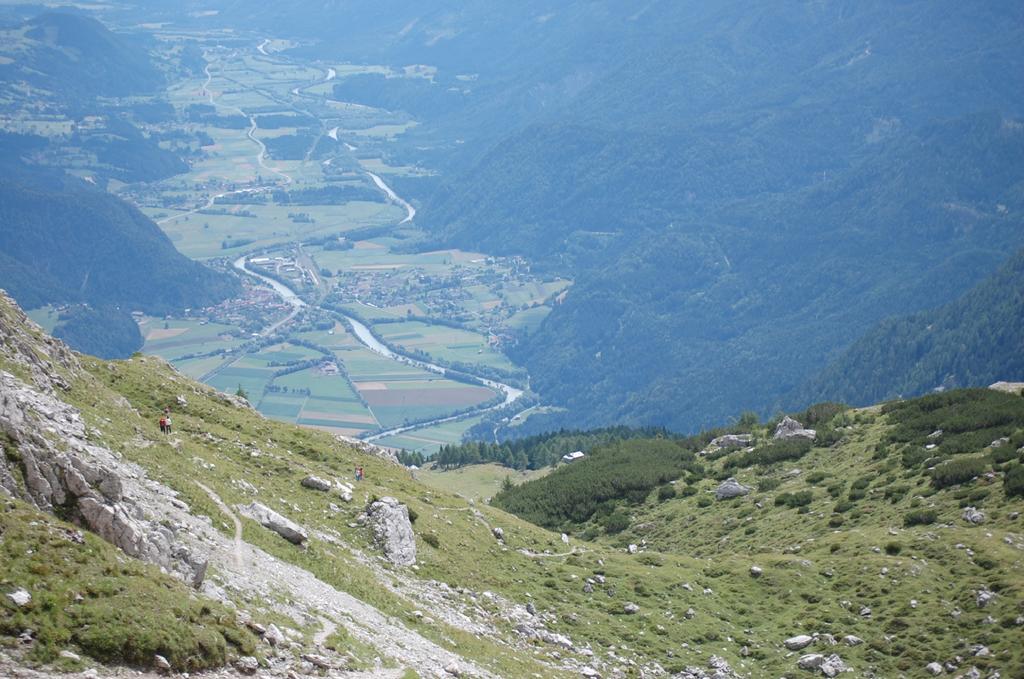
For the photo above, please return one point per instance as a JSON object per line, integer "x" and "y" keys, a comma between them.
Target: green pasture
{"x": 445, "y": 343}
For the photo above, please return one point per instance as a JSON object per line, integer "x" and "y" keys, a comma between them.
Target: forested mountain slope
{"x": 976, "y": 339}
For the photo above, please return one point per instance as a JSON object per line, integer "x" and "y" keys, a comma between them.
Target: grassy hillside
{"x": 88, "y": 596}
{"x": 872, "y": 518}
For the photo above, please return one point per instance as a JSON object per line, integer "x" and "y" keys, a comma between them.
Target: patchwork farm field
{"x": 448, "y": 344}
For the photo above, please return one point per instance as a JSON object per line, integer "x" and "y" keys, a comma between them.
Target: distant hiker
{"x": 167, "y": 410}
{"x": 163, "y": 425}
{"x": 357, "y": 473}
{"x": 362, "y": 475}
{"x": 167, "y": 424}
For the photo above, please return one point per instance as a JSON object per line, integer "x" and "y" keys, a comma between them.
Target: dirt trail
{"x": 299, "y": 594}
{"x": 237, "y": 551}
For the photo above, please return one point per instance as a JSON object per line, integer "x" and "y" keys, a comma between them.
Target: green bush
{"x": 771, "y": 453}
{"x": 835, "y": 489}
{"x": 616, "y": 522}
{"x": 836, "y": 520}
{"x": 816, "y": 477}
{"x": 704, "y": 502}
{"x": 920, "y": 517}
{"x": 432, "y": 540}
{"x": 688, "y": 491}
{"x": 843, "y": 506}
{"x": 666, "y": 492}
{"x": 958, "y": 470}
{"x": 896, "y": 493}
{"x": 768, "y": 484}
{"x": 893, "y": 548}
{"x": 793, "y": 500}
{"x": 1013, "y": 482}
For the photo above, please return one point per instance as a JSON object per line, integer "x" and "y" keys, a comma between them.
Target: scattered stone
{"x": 316, "y": 483}
{"x": 865, "y": 612}
{"x": 756, "y": 571}
{"x": 972, "y": 515}
{"x": 731, "y": 488}
{"x": 630, "y": 608}
{"x": 791, "y": 429}
{"x": 983, "y": 597}
{"x": 590, "y": 672}
{"x": 798, "y": 642}
{"x": 268, "y": 518}
{"x": 69, "y": 655}
{"x": 161, "y": 663}
{"x": 318, "y": 661}
{"x": 498, "y": 532}
{"x": 632, "y": 549}
{"x": 935, "y": 434}
{"x": 811, "y": 661}
{"x": 247, "y": 664}
{"x": 833, "y": 666}
{"x": 20, "y": 597}
{"x": 274, "y": 636}
{"x": 588, "y": 588}
{"x": 851, "y": 640}
{"x": 392, "y": 531}
{"x": 453, "y": 670}
{"x": 933, "y": 668}
{"x": 1000, "y": 442}
{"x": 565, "y": 538}
{"x": 980, "y": 651}
{"x": 690, "y": 614}
{"x": 182, "y": 402}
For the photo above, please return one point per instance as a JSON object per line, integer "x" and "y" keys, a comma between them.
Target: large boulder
{"x": 731, "y": 488}
{"x": 316, "y": 483}
{"x": 791, "y": 429}
{"x": 798, "y": 642}
{"x": 268, "y": 518}
{"x": 388, "y": 520}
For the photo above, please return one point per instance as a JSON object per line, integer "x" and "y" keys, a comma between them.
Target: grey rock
{"x": 791, "y": 429}
{"x": 316, "y": 483}
{"x": 630, "y": 608}
{"x": 833, "y": 666}
{"x": 972, "y": 515}
{"x": 161, "y": 663}
{"x": 983, "y": 597}
{"x": 933, "y": 668}
{"x": 388, "y": 520}
{"x": 268, "y": 518}
{"x": 70, "y": 655}
{"x": 453, "y": 670}
{"x": 733, "y": 441}
{"x": 20, "y": 597}
{"x": 89, "y": 483}
{"x": 798, "y": 642}
{"x": 731, "y": 488}
{"x": 851, "y": 640}
{"x": 498, "y": 532}
{"x": 811, "y": 661}
{"x": 274, "y": 636}
{"x": 247, "y": 665}
{"x": 756, "y": 571}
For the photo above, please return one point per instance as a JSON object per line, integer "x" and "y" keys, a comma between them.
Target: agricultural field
{"x": 451, "y": 345}
{"x": 430, "y": 439}
{"x": 172, "y": 339}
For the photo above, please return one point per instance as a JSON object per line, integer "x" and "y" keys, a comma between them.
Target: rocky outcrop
{"x": 791, "y": 429}
{"x": 49, "y": 462}
{"x": 386, "y": 454}
{"x": 1008, "y": 387}
{"x": 731, "y": 488}
{"x": 732, "y": 441}
{"x": 973, "y": 515}
{"x": 268, "y": 518}
{"x": 388, "y": 520}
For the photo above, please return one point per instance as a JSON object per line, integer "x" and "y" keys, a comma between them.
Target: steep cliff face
{"x": 49, "y": 461}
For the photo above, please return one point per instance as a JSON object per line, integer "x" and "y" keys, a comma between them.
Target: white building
{"x": 572, "y": 457}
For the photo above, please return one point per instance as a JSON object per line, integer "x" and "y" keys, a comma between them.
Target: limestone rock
{"x": 811, "y": 661}
{"x": 756, "y": 571}
{"x": 851, "y": 640}
{"x": 833, "y": 666}
{"x": 388, "y": 520}
{"x": 972, "y": 515}
{"x": 498, "y": 532}
{"x": 316, "y": 483}
{"x": 791, "y": 429}
{"x": 58, "y": 466}
{"x": 161, "y": 663}
{"x": 247, "y": 665}
{"x": 1008, "y": 387}
{"x": 268, "y": 518}
{"x": 631, "y": 608}
{"x": 731, "y": 488}
{"x": 798, "y": 642}
{"x": 933, "y": 668}
{"x": 20, "y": 597}
{"x": 983, "y": 597}
{"x": 733, "y": 441}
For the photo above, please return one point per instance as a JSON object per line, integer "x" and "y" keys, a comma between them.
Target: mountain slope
{"x": 874, "y": 515}
{"x": 976, "y": 339}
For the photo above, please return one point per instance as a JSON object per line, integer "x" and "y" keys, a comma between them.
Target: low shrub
{"x": 920, "y": 517}
{"x": 792, "y": 500}
{"x": 958, "y": 470}
{"x": 1013, "y": 482}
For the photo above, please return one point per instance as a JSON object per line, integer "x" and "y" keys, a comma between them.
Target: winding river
{"x": 371, "y": 342}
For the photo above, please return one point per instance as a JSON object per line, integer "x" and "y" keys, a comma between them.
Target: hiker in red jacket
{"x": 163, "y": 425}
